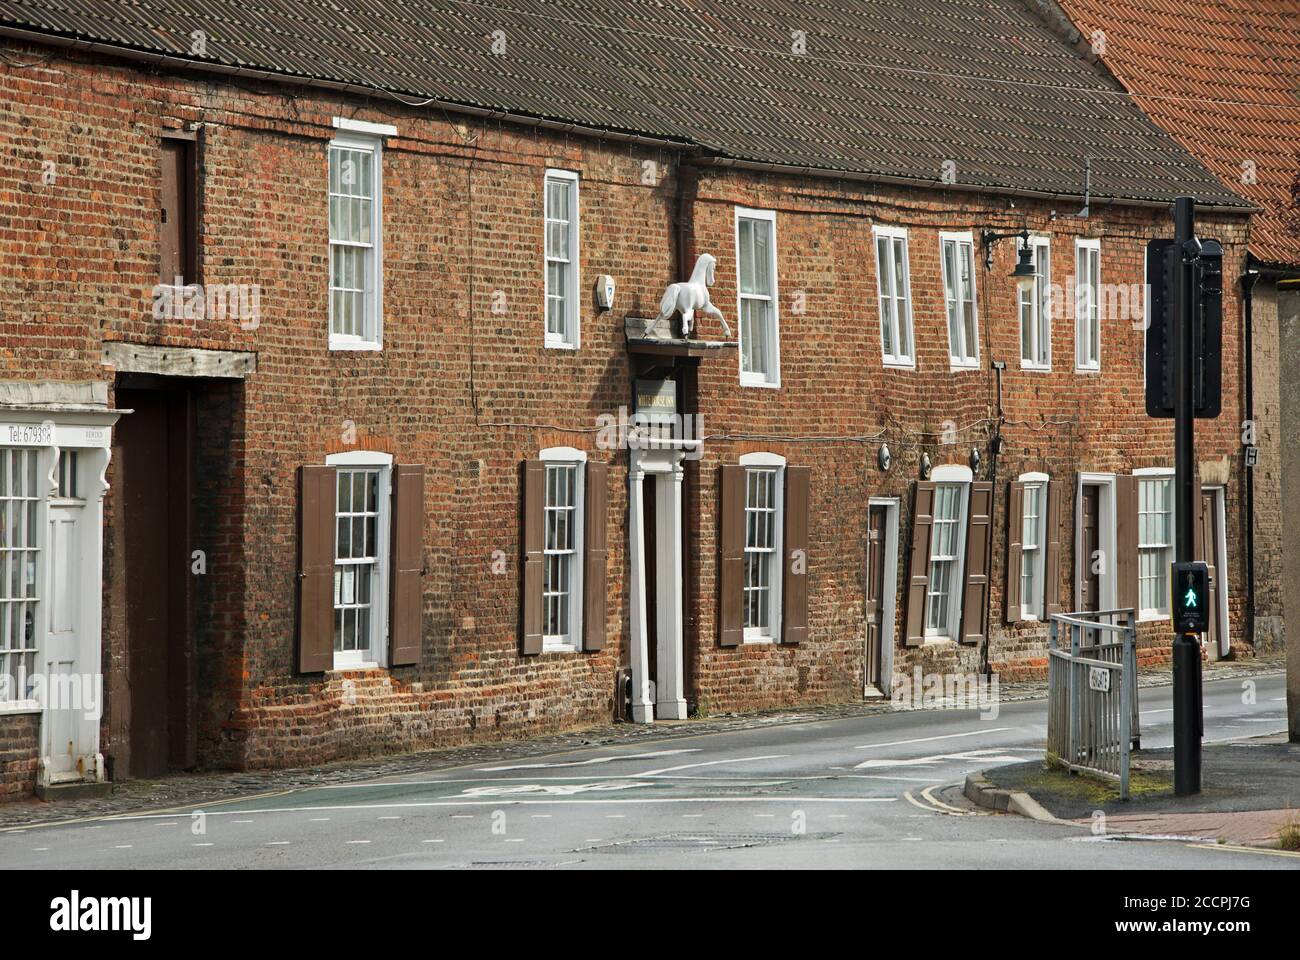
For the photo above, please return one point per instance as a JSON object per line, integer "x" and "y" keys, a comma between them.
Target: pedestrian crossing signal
{"x": 1190, "y": 586}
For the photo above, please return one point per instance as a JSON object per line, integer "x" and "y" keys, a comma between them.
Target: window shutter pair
{"x": 794, "y": 558}
{"x": 975, "y": 586}
{"x": 595, "y": 550}
{"x": 317, "y": 497}
{"x": 1051, "y": 544}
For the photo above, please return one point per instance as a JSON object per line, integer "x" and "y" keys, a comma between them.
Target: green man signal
{"x": 1190, "y": 583}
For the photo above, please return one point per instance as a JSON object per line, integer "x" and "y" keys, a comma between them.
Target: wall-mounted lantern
{"x": 884, "y": 457}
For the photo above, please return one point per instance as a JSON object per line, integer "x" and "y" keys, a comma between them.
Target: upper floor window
{"x": 178, "y": 226}
{"x": 1155, "y": 544}
{"x": 1087, "y": 309}
{"x": 356, "y": 265}
{"x": 1036, "y": 312}
{"x": 894, "y": 288}
{"x": 959, "y": 298}
{"x": 757, "y": 294}
{"x": 561, "y": 259}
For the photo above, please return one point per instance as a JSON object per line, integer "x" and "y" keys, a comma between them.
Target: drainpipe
{"x": 1248, "y": 281}
{"x": 995, "y": 447}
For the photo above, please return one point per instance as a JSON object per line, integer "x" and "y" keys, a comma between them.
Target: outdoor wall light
{"x": 975, "y": 459}
{"x": 925, "y": 466}
{"x": 884, "y": 457}
{"x": 1024, "y": 274}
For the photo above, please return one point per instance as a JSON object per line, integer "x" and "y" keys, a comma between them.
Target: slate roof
{"x": 1224, "y": 79}
{"x": 886, "y": 88}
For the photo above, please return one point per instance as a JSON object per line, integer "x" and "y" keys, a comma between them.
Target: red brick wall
{"x": 469, "y": 392}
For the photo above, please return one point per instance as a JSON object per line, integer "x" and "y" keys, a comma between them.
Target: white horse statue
{"x": 686, "y": 298}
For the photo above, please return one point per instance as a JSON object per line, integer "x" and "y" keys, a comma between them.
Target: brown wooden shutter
{"x": 407, "y": 611}
{"x": 794, "y": 586}
{"x": 532, "y": 482}
{"x": 317, "y": 490}
{"x": 1125, "y": 564}
{"x": 595, "y": 548}
{"x": 979, "y": 546}
{"x": 1052, "y": 562}
{"x": 918, "y": 562}
{"x": 731, "y": 544}
{"x": 1015, "y": 548}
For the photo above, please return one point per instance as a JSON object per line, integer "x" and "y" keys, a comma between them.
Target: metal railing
{"x": 1092, "y": 700}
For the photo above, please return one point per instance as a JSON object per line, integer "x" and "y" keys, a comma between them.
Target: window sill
{"x": 355, "y": 667}
{"x": 899, "y": 364}
{"x": 752, "y": 381}
{"x": 1035, "y": 367}
{"x": 760, "y": 640}
{"x": 955, "y": 365}
{"x": 19, "y": 706}
{"x": 938, "y": 641}
{"x": 549, "y": 647}
{"x": 1152, "y": 616}
{"x": 347, "y": 344}
{"x": 1086, "y": 370}
{"x": 560, "y": 345}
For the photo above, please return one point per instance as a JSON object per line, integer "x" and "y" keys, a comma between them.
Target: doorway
{"x": 657, "y": 586}
{"x": 1095, "y": 557}
{"x": 1211, "y": 546}
{"x": 153, "y": 455}
{"x": 880, "y": 589}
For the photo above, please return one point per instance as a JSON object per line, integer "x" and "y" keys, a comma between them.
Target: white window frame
{"x": 962, "y": 242}
{"x": 1041, "y": 304}
{"x": 379, "y": 646}
{"x": 767, "y": 378}
{"x": 375, "y": 301}
{"x": 567, "y": 457}
{"x": 958, "y": 476}
{"x": 571, "y": 339}
{"x": 37, "y": 506}
{"x": 1039, "y": 482}
{"x": 907, "y": 359}
{"x": 777, "y": 464}
{"x": 1085, "y": 312}
{"x": 1170, "y": 550}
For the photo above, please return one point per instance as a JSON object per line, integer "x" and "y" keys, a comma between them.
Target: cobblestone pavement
{"x": 214, "y": 787}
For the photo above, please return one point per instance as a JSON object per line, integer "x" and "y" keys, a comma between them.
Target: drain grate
{"x": 518, "y": 864}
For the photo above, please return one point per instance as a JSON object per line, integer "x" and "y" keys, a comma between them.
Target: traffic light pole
{"x": 1187, "y": 646}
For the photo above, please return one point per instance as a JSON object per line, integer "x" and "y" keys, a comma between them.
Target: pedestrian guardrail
{"x": 1092, "y": 701}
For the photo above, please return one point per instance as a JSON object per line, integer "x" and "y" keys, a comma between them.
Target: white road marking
{"x": 39, "y": 849}
{"x": 712, "y": 763}
{"x": 358, "y": 841}
{"x": 541, "y": 816}
{"x": 691, "y": 816}
{"x": 202, "y": 844}
{"x": 514, "y": 839}
{"x": 390, "y": 818}
{"x": 591, "y": 761}
{"x": 947, "y": 736}
{"x": 320, "y": 819}
{"x": 439, "y": 840}
{"x": 990, "y": 755}
{"x": 939, "y": 803}
{"x": 278, "y": 843}
{"x": 123, "y": 846}
{"x": 241, "y": 821}
{"x": 171, "y": 823}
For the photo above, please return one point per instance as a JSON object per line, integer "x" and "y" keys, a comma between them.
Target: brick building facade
{"x": 380, "y": 511}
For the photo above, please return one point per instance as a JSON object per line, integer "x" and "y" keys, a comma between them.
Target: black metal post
{"x": 1187, "y": 647}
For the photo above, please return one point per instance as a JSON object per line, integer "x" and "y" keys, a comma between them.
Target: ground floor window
{"x": 1031, "y": 547}
{"x": 944, "y": 590}
{"x": 19, "y": 559}
{"x": 762, "y": 568}
{"x": 560, "y": 551}
{"x": 358, "y": 561}
{"x": 1155, "y": 545}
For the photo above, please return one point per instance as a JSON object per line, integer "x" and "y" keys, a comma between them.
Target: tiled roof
{"x": 888, "y": 88}
{"x": 1224, "y": 79}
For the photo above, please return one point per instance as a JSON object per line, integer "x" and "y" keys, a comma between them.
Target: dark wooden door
{"x": 651, "y": 566}
{"x": 1210, "y": 521}
{"x": 875, "y": 590}
{"x": 1090, "y": 548}
{"x": 153, "y": 450}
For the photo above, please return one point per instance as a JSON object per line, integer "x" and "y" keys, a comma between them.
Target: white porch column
{"x": 642, "y": 710}
{"x": 670, "y": 695}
